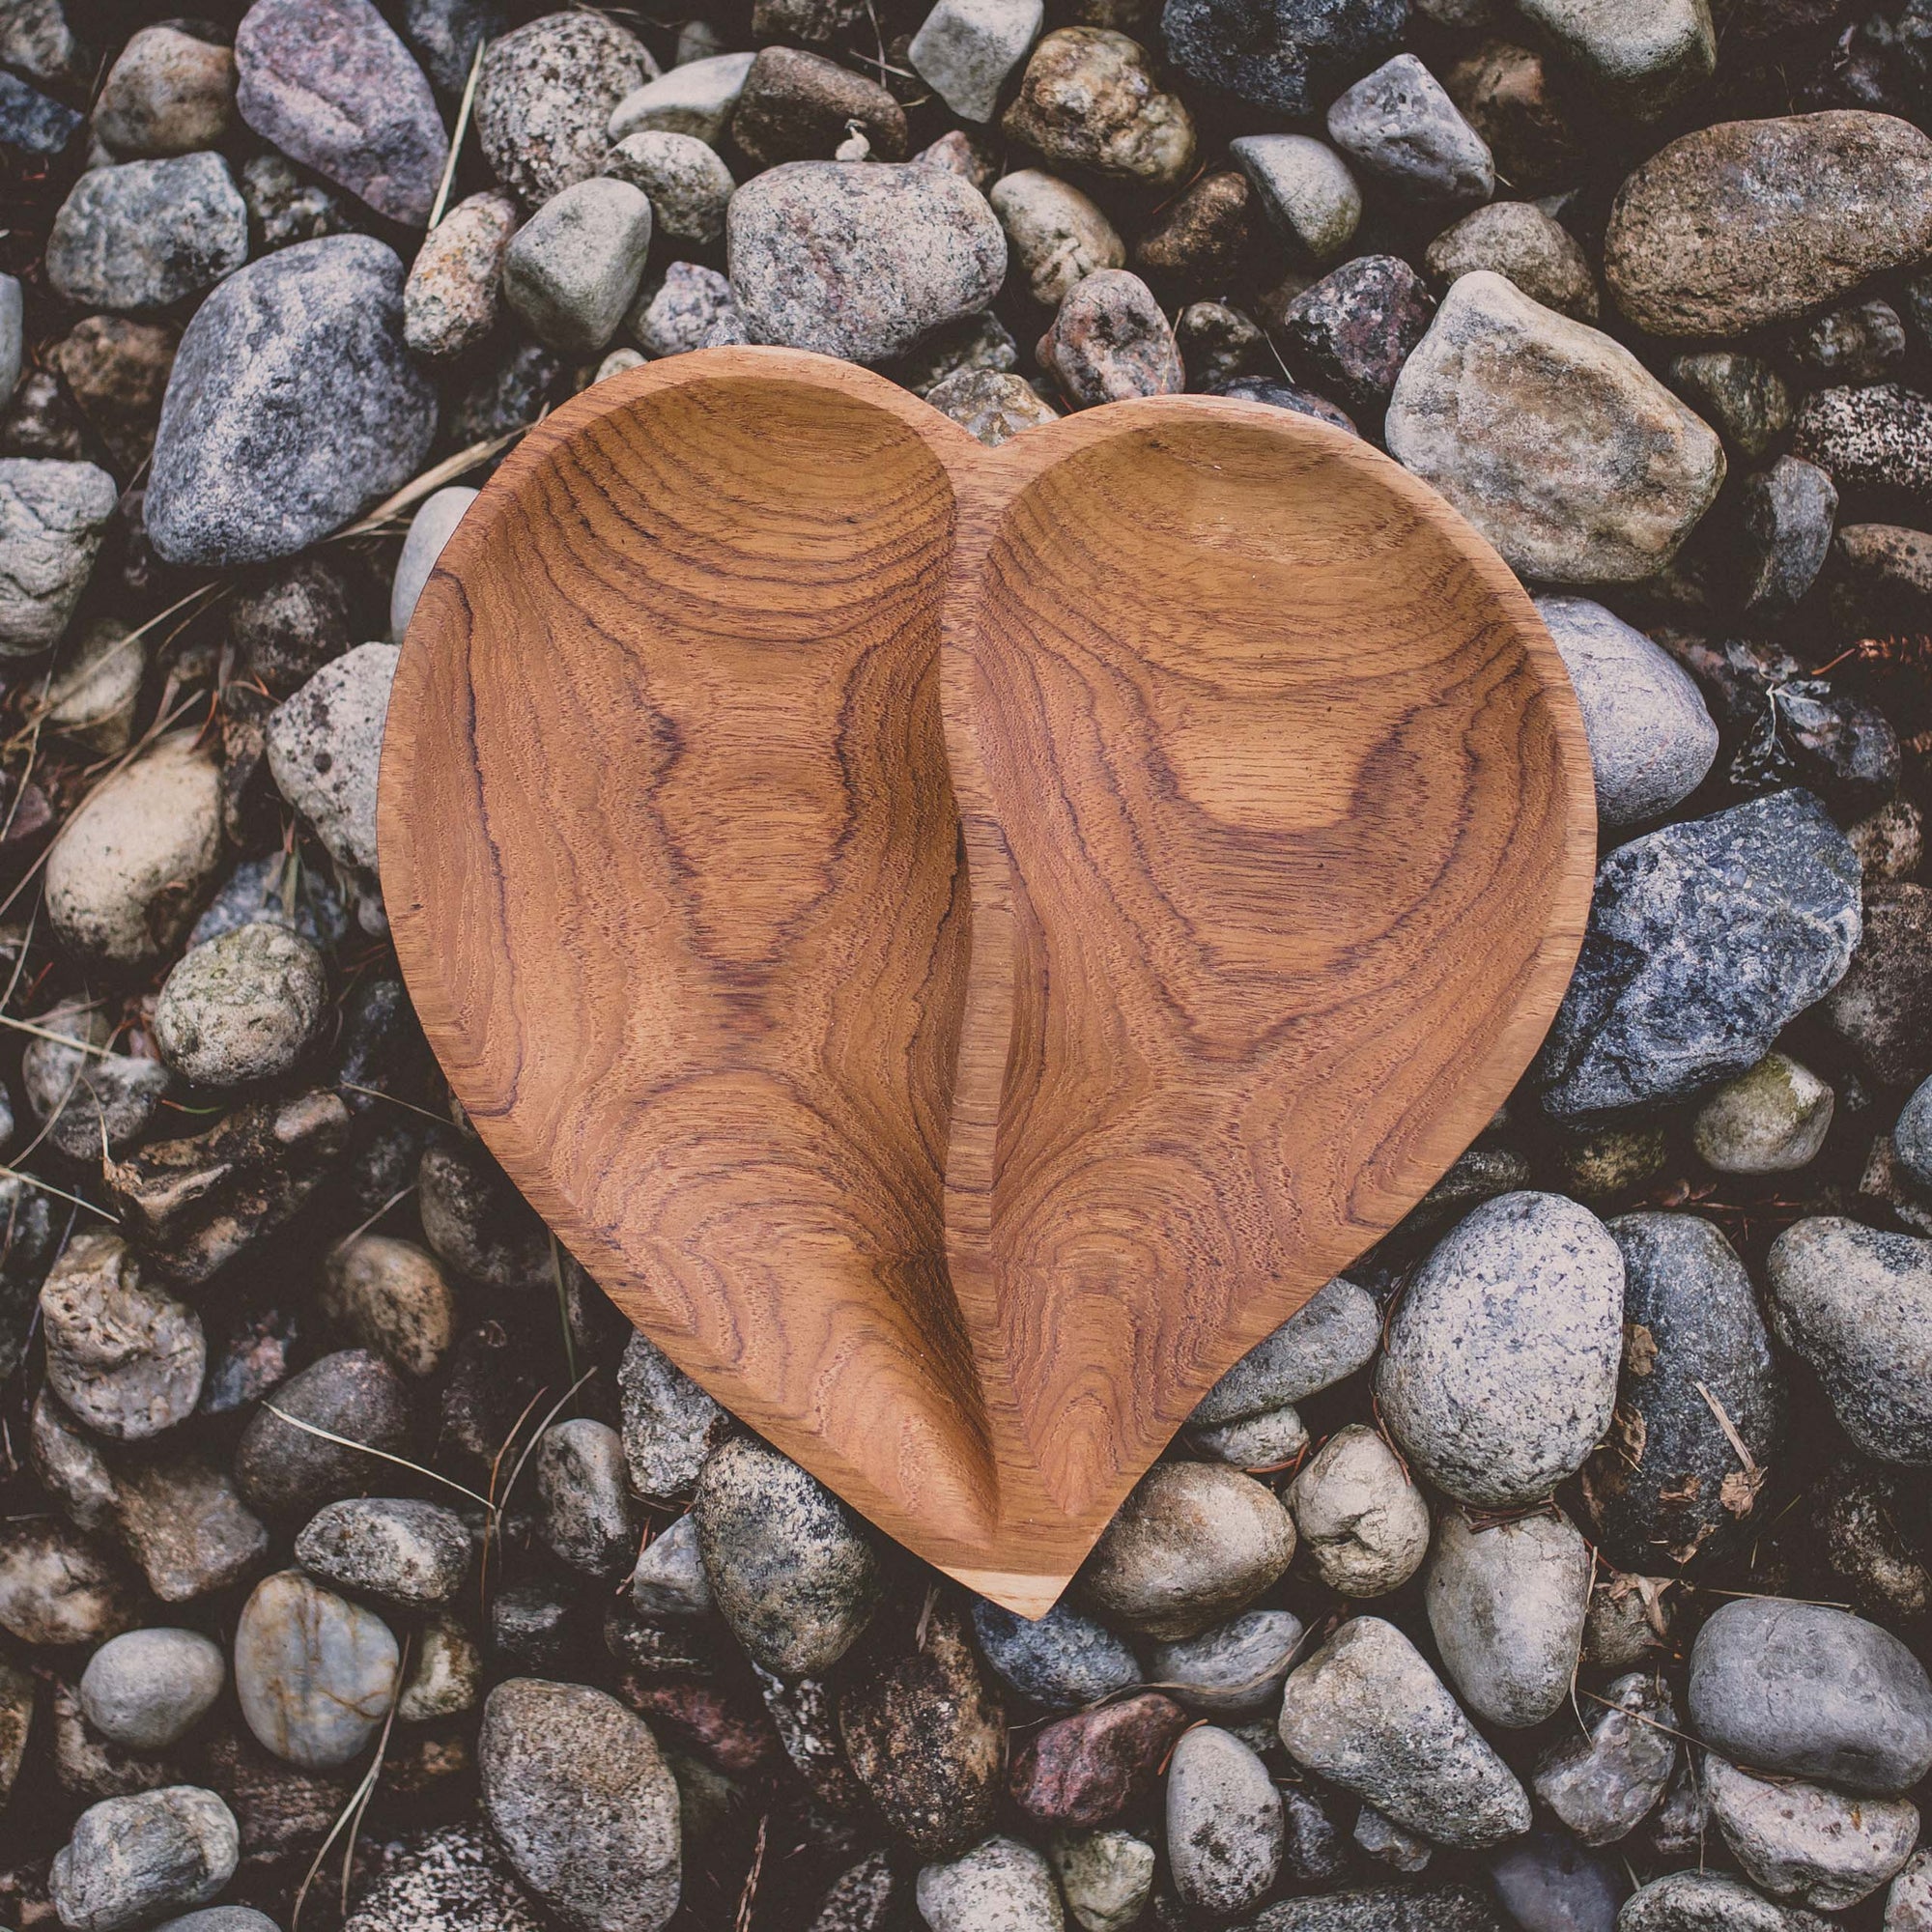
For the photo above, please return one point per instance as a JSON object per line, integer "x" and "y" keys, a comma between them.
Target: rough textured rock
{"x": 1361, "y": 1523}
{"x": 54, "y": 516}
{"x": 1106, "y": 1877}
{"x": 1806, "y": 1844}
{"x": 695, "y": 98}
{"x": 965, "y": 51}
{"x": 169, "y": 91}
{"x": 1224, "y": 1823}
{"x": 285, "y": 1470}
{"x": 146, "y": 234}
{"x": 1671, "y": 1484}
{"x": 687, "y": 184}
{"x": 1331, "y": 1336}
{"x": 1367, "y": 1713}
{"x": 1750, "y": 223}
{"x": 1652, "y": 740}
{"x": 1506, "y": 1604}
{"x": 58, "y": 1586}
{"x": 1194, "y": 1542}
{"x": 325, "y": 749}
{"x": 1521, "y": 242}
{"x": 1811, "y": 1691}
{"x": 1353, "y": 329}
{"x": 1697, "y": 1901}
{"x": 1705, "y": 939}
{"x": 572, "y": 269}
{"x": 292, "y": 405}
{"x": 1856, "y": 1303}
{"x": 1089, "y": 99}
{"x": 131, "y": 1858}
{"x": 455, "y": 1876}
{"x": 1058, "y": 235}
{"x": 587, "y": 1519}
{"x": 1600, "y": 1787}
{"x": 1552, "y": 440}
{"x": 242, "y": 1008}
{"x": 581, "y": 1801}
{"x": 1743, "y": 396}
{"x": 546, "y": 98}
{"x": 1286, "y": 59}
{"x": 315, "y": 1674}
{"x": 412, "y": 1554}
{"x": 990, "y": 406}
{"x": 1110, "y": 341}
{"x": 1500, "y": 1370}
{"x": 1060, "y": 1660}
{"x": 1089, "y": 1768}
{"x": 792, "y": 1571}
{"x": 1644, "y": 57}
{"x": 1881, "y": 1009}
{"x": 1237, "y": 1667}
{"x": 1000, "y": 1886}
{"x": 1770, "y": 1118}
{"x": 451, "y": 298}
{"x": 332, "y": 86}
{"x": 670, "y": 1425}
{"x": 860, "y": 260}
{"x": 1397, "y": 124}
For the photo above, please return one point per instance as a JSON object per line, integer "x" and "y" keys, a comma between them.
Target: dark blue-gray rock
{"x": 600, "y": 1851}
{"x": 31, "y": 124}
{"x": 292, "y": 405}
{"x": 1671, "y": 1486}
{"x": 791, "y": 1569}
{"x": 860, "y": 260}
{"x": 1786, "y": 516}
{"x": 1855, "y": 1304}
{"x": 1500, "y": 1370}
{"x": 1397, "y": 125}
{"x": 1334, "y": 1334}
{"x": 1707, "y": 1901}
{"x": 1061, "y": 1661}
{"x": 1386, "y": 1907}
{"x": 146, "y": 234}
{"x": 1367, "y": 1713}
{"x": 1911, "y": 1136}
{"x": 221, "y": 1918}
{"x": 315, "y": 1675}
{"x": 584, "y": 1505}
{"x": 1602, "y": 1786}
{"x": 412, "y": 1554}
{"x": 53, "y": 519}
{"x": 1652, "y": 740}
{"x": 332, "y": 86}
{"x": 545, "y": 99}
{"x": 1237, "y": 1667}
{"x": 1549, "y": 1883}
{"x": 1878, "y": 436}
{"x": 445, "y": 35}
{"x": 1224, "y": 1823}
{"x": 1507, "y": 1603}
{"x": 1812, "y": 1692}
{"x": 133, "y": 1858}
{"x": 1705, "y": 940}
{"x": 286, "y": 1469}
{"x": 1351, "y": 331}
{"x": 1284, "y": 56}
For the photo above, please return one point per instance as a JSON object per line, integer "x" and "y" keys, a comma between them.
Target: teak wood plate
{"x": 961, "y": 943}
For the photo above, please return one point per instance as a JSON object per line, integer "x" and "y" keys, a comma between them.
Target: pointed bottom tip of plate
{"x": 1024, "y": 1594}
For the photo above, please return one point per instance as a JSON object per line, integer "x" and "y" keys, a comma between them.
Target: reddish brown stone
{"x": 117, "y": 369}
{"x": 795, "y": 107}
{"x": 731, "y": 1732}
{"x": 1504, "y": 94}
{"x": 1202, "y": 235}
{"x": 1089, "y": 1768}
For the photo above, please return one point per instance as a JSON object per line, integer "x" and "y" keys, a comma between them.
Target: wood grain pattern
{"x": 961, "y": 943}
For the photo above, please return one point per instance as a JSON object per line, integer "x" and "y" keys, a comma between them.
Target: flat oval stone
{"x": 147, "y": 1688}
{"x": 1750, "y": 223}
{"x": 1224, "y": 1823}
{"x": 1234, "y": 1669}
{"x": 1061, "y": 1661}
{"x": 315, "y": 1674}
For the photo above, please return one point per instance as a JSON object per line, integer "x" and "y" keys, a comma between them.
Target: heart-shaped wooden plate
{"x": 961, "y": 943}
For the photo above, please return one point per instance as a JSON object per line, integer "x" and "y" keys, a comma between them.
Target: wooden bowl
{"x": 962, "y": 942}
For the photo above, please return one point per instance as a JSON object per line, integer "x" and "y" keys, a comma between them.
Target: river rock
{"x": 1500, "y": 1370}
{"x": 1507, "y": 1602}
{"x": 1194, "y": 1542}
{"x": 287, "y": 1470}
{"x": 1652, "y": 740}
{"x": 546, "y": 98}
{"x": 1811, "y": 1691}
{"x": 692, "y": 307}
{"x": 325, "y": 749}
{"x": 670, "y": 1425}
{"x": 332, "y": 86}
{"x": 454, "y": 290}
{"x": 414, "y": 1555}
{"x": 146, "y": 234}
{"x": 133, "y": 1858}
{"x": 122, "y": 1354}
{"x": 390, "y": 1296}
{"x": 1234, "y": 1669}
{"x": 1561, "y": 448}
{"x": 859, "y": 261}
{"x": 439, "y": 1880}
{"x": 1284, "y": 59}
{"x": 1110, "y": 341}
{"x": 1224, "y": 1823}
{"x": 58, "y": 1586}
{"x": 53, "y": 517}
{"x": 1705, "y": 939}
{"x": 798, "y": 106}
{"x": 585, "y": 1515}
{"x": 966, "y": 49}
{"x": 688, "y": 186}
{"x": 1305, "y": 187}
{"x": 1001, "y": 1884}
{"x": 1361, "y": 1523}
{"x": 572, "y": 269}
{"x": 1057, "y": 233}
{"x": 1772, "y": 1119}
{"x": 990, "y": 406}
{"x": 241, "y": 1007}
{"x": 1700, "y": 1901}
{"x": 582, "y": 1800}
{"x": 1106, "y": 1877}
{"x": 1061, "y": 1661}
{"x": 318, "y": 329}
{"x": 1385, "y": 1908}
{"x": 1644, "y": 57}
{"x": 1089, "y": 1768}
{"x": 926, "y": 1736}
{"x": 1397, "y": 124}
{"x": 1856, "y": 1303}
{"x": 668, "y": 1580}
{"x": 1806, "y": 1844}
{"x": 147, "y": 1688}
{"x": 695, "y": 98}
{"x": 1750, "y": 223}
{"x": 1602, "y": 1787}
{"x": 1671, "y": 1484}
{"x": 315, "y": 1674}
{"x": 1331, "y": 1337}
{"x": 792, "y": 1571}
{"x": 1089, "y": 99}
{"x": 169, "y": 91}
{"x": 1742, "y": 396}
{"x": 1881, "y": 1009}
{"x": 1367, "y": 1713}
{"x": 1351, "y": 331}
{"x": 1520, "y": 242}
